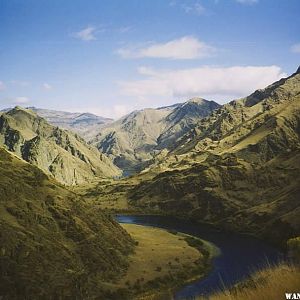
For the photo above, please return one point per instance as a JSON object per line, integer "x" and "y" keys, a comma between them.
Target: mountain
{"x": 85, "y": 124}
{"x": 183, "y": 118}
{"x": 53, "y": 244}
{"x": 237, "y": 168}
{"x": 64, "y": 155}
{"x": 136, "y": 138}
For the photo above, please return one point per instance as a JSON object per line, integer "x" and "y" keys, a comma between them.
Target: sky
{"x": 110, "y": 57}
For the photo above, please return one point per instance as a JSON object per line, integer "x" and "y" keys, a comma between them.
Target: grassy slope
{"x": 52, "y": 243}
{"x": 62, "y": 154}
{"x": 163, "y": 260}
{"x": 239, "y": 169}
{"x": 246, "y": 179}
{"x": 134, "y": 139}
{"x": 270, "y": 283}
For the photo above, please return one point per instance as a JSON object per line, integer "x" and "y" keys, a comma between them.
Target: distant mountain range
{"x": 235, "y": 165}
{"x": 64, "y": 155}
{"x": 85, "y": 124}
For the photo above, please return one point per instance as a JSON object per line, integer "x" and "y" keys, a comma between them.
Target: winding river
{"x": 240, "y": 255}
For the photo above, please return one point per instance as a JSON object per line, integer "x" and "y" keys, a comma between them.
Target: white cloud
{"x": 221, "y": 84}
{"x": 187, "y": 47}
{"x": 20, "y": 100}
{"x": 195, "y": 8}
{"x": 86, "y": 34}
{"x": 247, "y": 1}
{"x": 47, "y": 86}
{"x": 2, "y": 85}
{"x": 296, "y": 48}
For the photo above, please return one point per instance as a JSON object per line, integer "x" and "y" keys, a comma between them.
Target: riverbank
{"x": 240, "y": 253}
{"x": 164, "y": 260}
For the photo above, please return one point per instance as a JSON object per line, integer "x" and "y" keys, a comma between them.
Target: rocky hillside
{"x": 65, "y": 156}
{"x": 136, "y": 138}
{"x": 52, "y": 244}
{"x": 238, "y": 168}
{"x": 86, "y": 125}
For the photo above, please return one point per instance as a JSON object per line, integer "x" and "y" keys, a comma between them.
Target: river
{"x": 240, "y": 254}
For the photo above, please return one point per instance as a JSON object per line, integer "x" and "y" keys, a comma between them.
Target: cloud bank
{"x": 222, "y": 84}
{"x": 187, "y": 47}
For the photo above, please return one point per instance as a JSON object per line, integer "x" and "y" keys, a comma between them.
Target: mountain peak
{"x": 197, "y": 100}
{"x": 18, "y": 109}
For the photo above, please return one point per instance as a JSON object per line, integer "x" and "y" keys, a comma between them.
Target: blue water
{"x": 241, "y": 254}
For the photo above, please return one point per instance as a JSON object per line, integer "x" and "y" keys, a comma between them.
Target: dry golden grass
{"x": 157, "y": 254}
{"x": 268, "y": 284}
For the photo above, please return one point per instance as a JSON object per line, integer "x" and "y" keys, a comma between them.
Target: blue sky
{"x": 110, "y": 57}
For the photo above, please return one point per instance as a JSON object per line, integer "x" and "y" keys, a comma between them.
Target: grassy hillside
{"x": 240, "y": 171}
{"x": 67, "y": 157}
{"x": 164, "y": 260}
{"x": 54, "y": 245}
{"x": 270, "y": 283}
{"x": 133, "y": 140}
{"x": 238, "y": 168}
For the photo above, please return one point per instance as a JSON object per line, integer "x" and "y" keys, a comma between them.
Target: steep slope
{"x": 85, "y": 124}
{"x": 53, "y": 244}
{"x": 238, "y": 168}
{"x": 65, "y": 156}
{"x": 232, "y": 122}
{"x": 130, "y": 140}
{"x": 137, "y": 137}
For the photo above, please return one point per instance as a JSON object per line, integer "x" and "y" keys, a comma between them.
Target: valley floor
{"x": 163, "y": 260}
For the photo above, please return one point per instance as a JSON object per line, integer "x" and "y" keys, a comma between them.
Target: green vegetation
{"x": 237, "y": 168}
{"x": 53, "y": 244}
{"x": 163, "y": 260}
{"x": 64, "y": 155}
{"x": 134, "y": 140}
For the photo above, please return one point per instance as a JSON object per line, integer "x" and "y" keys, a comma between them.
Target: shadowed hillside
{"x": 237, "y": 168}
{"x": 65, "y": 156}
{"x": 53, "y": 245}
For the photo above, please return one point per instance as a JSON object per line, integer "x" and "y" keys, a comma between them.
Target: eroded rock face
{"x": 64, "y": 155}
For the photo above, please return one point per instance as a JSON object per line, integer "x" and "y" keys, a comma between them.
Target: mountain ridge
{"x": 85, "y": 124}
{"x": 237, "y": 168}
{"x": 53, "y": 243}
{"x": 62, "y": 154}
{"x": 136, "y": 138}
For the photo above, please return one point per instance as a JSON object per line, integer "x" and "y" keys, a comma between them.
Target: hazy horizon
{"x": 113, "y": 57}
